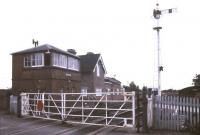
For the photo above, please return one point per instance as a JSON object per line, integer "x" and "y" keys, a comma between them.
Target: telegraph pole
{"x": 157, "y": 14}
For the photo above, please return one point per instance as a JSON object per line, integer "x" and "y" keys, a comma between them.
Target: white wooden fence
{"x": 173, "y": 112}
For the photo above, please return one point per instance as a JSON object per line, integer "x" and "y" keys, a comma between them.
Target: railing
{"x": 109, "y": 109}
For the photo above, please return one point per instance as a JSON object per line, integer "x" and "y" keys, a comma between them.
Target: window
{"x": 98, "y": 70}
{"x": 108, "y": 91}
{"x": 59, "y": 60}
{"x": 84, "y": 91}
{"x": 98, "y": 92}
{"x": 117, "y": 91}
{"x": 37, "y": 59}
{"x": 34, "y": 60}
{"x": 73, "y": 64}
{"x": 27, "y": 61}
{"x": 64, "y": 61}
{"x": 113, "y": 92}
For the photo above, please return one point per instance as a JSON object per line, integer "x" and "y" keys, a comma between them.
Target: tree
{"x": 132, "y": 87}
{"x": 196, "y": 80}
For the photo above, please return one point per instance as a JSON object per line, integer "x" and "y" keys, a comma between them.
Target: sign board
{"x": 40, "y": 105}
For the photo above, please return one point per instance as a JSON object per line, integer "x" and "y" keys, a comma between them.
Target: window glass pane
{"x": 70, "y": 62}
{"x": 98, "y": 92}
{"x": 84, "y": 91}
{"x": 108, "y": 91}
{"x": 59, "y": 60}
{"x": 33, "y": 60}
{"x": 73, "y": 64}
{"x": 39, "y": 59}
{"x": 27, "y": 61}
{"x": 117, "y": 91}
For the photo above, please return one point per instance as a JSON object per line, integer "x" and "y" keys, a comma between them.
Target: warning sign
{"x": 40, "y": 105}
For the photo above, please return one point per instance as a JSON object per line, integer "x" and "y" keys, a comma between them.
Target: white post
{"x": 150, "y": 113}
{"x": 23, "y": 104}
{"x": 82, "y": 107}
{"x": 133, "y": 109}
{"x": 48, "y": 105}
{"x": 62, "y": 106}
{"x": 106, "y": 109}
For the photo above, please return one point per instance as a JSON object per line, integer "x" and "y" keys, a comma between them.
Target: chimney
{"x": 72, "y": 51}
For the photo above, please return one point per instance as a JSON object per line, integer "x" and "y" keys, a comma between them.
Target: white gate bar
{"x": 106, "y": 109}
{"x": 94, "y": 108}
{"x": 117, "y": 112}
{"x": 55, "y": 104}
{"x": 73, "y": 106}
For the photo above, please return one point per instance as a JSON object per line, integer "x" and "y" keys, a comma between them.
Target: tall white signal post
{"x": 156, "y": 14}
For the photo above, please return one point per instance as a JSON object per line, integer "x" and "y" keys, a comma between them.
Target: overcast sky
{"x": 121, "y": 30}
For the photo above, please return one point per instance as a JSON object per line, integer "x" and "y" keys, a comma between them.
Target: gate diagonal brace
{"x": 94, "y": 108}
{"x": 117, "y": 111}
{"x": 25, "y": 103}
{"x": 55, "y": 104}
{"x": 73, "y": 107}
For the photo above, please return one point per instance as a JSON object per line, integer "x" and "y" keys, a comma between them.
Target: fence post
{"x": 154, "y": 111}
{"x": 62, "y": 106}
{"x": 133, "y": 109}
{"x": 82, "y": 106}
{"x": 150, "y": 112}
{"x": 144, "y": 109}
{"x": 19, "y": 105}
{"x": 106, "y": 108}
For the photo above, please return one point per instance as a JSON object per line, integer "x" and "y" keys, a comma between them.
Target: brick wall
{"x": 4, "y": 99}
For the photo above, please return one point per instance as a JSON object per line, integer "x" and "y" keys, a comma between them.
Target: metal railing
{"x": 109, "y": 109}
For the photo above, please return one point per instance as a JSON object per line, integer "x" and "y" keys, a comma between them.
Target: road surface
{"x": 12, "y": 125}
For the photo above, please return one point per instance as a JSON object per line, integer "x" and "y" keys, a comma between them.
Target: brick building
{"x": 46, "y": 68}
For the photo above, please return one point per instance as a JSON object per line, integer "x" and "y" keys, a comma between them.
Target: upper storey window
{"x": 73, "y": 63}
{"x": 59, "y": 60}
{"x": 64, "y": 61}
{"x": 34, "y": 60}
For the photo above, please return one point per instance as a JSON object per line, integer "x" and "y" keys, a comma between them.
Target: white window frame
{"x": 98, "y": 92}
{"x": 34, "y": 60}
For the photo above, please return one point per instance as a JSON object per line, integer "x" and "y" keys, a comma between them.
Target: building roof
{"x": 112, "y": 80}
{"x": 45, "y": 47}
{"x": 89, "y": 62}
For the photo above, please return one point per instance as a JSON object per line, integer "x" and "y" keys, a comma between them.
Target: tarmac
{"x": 12, "y": 125}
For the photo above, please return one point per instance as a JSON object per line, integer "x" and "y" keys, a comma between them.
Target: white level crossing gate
{"x": 109, "y": 109}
